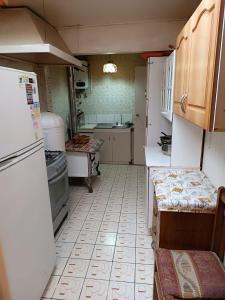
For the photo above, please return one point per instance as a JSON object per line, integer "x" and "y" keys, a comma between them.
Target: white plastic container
{"x": 53, "y": 130}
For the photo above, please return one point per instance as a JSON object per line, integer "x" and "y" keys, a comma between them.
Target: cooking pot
{"x": 166, "y": 148}
{"x": 165, "y": 138}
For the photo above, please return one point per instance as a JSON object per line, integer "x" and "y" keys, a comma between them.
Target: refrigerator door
{"x": 26, "y": 231}
{"x": 20, "y": 111}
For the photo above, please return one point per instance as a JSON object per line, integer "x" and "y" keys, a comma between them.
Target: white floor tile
{"x": 111, "y": 217}
{"x": 113, "y": 208}
{"x": 116, "y": 200}
{"x": 102, "y": 252}
{"x": 122, "y": 272}
{"x": 63, "y": 249}
{"x": 76, "y": 267}
{"x": 144, "y": 274}
{"x": 97, "y": 207}
{"x": 143, "y": 292}
{"x": 141, "y": 219}
{"x": 125, "y": 240}
{"x": 74, "y": 225}
{"x": 128, "y": 218}
{"x": 120, "y": 291}
{"x": 68, "y": 235}
{"x": 78, "y": 215}
{"x": 87, "y": 237}
{"x": 129, "y": 209}
{"x": 94, "y": 289}
{"x": 127, "y": 228}
{"x": 106, "y": 238}
{"x": 124, "y": 254}
{"x": 83, "y": 251}
{"x": 142, "y": 229}
{"x": 99, "y": 269}
{"x": 91, "y": 225}
{"x": 69, "y": 288}
{"x": 109, "y": 226}
{"x": 144, "y": 256}
{"x": 143, "y": 241}
{"x": 95, "y": 216}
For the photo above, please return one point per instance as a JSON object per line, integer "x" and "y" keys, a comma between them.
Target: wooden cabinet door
{"x": 106, "y": 149}
{"x": 204, "y": 26}
{"x": 122, "y": 147}
{"x": 181, "y": 69}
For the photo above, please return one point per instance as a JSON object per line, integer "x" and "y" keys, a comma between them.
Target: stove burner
{"x": 51, "y": 156}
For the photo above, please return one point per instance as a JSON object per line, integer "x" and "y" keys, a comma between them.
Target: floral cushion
{"x": 190, "y": 274}
{"x": 184, "y": 190}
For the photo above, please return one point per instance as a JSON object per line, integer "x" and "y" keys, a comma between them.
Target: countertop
{"x": 184, "y": 190}
{"x": 155, "y": 158}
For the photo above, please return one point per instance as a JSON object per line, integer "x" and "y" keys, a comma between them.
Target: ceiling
{"x": 62, "y": 13}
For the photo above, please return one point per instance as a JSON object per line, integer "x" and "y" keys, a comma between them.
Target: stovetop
{"x": 51, "y": 156}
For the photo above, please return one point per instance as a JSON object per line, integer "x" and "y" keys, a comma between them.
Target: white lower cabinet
{"x": 106, "y": 154}
{"x": 116, "y": 147}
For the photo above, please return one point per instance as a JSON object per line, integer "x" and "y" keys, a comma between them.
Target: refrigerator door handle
{"x": 18, "y": 157}
{"x": 8, "y": 161}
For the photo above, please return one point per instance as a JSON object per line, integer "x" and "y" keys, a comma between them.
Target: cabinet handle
{"x": 183, "y": 103}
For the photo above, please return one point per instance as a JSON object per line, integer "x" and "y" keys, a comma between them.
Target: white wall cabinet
{"x": 167, "y": 87}
{"x": 116, "y": 147}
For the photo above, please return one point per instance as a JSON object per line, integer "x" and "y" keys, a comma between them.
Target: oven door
{"x": 59, "y": 192}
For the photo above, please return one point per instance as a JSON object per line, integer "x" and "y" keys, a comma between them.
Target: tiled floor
{"x": 103, "y": 249}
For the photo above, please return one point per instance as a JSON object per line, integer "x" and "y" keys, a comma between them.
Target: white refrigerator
{"x": 26, "y": 233}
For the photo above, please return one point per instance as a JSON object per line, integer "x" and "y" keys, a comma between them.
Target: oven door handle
{"x": 59, "y": 177}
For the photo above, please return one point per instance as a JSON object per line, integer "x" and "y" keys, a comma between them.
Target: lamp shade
{"x": 110, "y": 68}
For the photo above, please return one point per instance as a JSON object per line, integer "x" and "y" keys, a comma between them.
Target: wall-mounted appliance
{"x": 81, "y": 77}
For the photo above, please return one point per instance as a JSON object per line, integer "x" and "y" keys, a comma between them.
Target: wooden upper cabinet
{"x": 182, "y": 57}
{"x": 196, "y": 98}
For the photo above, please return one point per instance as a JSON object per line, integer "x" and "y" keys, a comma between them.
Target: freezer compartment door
{"x": 26, "y": 230}
{"x": 19, "y": 112}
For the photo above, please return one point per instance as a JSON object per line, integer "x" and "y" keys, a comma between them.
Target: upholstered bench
{"x": 183, "y": 209}
{"x": 183, "y": 274}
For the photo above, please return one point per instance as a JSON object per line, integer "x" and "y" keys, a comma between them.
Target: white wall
{"x": 214, "y": 158}
{"x": 186, "y": 144}
{"x": 122, "y": 38}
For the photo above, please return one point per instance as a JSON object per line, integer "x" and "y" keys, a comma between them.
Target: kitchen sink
{"x": 120, "y": 126}
{"x": 111, "y": 125}
{"x": 104, "y": 125}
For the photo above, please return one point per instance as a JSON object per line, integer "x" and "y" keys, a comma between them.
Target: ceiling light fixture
{"x": 109, "y": 67}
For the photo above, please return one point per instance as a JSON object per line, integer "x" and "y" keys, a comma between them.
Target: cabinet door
{"x": 204, "y": 25}
{"x": 122, "y": 147}
{"x": 181, "y": 70}
{"x": 106, "y": 149}
{"x": 167, "y": 88}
